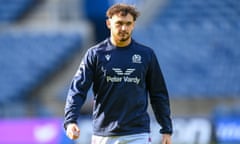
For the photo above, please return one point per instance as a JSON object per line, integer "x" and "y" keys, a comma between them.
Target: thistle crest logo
{"x": 136, "y": 58}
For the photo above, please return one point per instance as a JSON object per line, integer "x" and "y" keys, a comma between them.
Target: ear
{"x": 108, "y": 24}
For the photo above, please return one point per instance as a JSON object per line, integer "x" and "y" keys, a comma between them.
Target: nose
{"x": 124, "y": 27}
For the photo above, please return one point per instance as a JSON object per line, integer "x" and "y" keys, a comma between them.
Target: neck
{"x": 120, "y": 43}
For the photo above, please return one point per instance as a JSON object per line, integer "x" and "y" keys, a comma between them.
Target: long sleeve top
{"x": 123, "y": 79}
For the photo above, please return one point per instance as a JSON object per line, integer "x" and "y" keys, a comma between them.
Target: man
{"x": 123, "y": 73}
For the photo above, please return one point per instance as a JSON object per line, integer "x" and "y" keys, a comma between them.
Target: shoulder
{"x": 144, "y": 48}
{"x": 94, "y": 50}
{"x": 100, "y": 46}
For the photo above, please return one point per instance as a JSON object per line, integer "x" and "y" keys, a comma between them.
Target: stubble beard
{"x": 123, "y": 38}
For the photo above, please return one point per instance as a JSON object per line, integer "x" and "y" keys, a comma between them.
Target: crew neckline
{"x": 117, "y": 47}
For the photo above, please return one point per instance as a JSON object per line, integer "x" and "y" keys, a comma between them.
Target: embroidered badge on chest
{"x": 136, "y": 58}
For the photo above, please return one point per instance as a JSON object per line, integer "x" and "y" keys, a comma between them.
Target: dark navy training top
{"x": 122, "y": 78}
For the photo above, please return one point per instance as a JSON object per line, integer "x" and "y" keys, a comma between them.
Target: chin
{"x": 124, "y": 39}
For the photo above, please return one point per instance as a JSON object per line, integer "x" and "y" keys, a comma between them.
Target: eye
{"x": 129, "y": 23}
{"x": 119, "y": 23}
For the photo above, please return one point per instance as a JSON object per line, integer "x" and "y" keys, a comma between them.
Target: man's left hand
{"x": 166, "y": 139}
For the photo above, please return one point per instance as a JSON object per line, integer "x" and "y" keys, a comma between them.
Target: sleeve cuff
{"x": 68, "y": 122}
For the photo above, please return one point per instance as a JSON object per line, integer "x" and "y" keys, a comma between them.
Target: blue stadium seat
{"x": 28, "y": 58}
{"x": 12, "y": 10}
{"x": 195, "y": 11}
{"x": 197, "y": 61}
{"x": 197, "y": 45}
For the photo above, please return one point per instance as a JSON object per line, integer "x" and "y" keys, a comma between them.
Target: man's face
{"x": 121, "y": 27}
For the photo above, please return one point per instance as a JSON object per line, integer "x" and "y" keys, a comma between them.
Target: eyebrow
{"x": 125, "y": 22}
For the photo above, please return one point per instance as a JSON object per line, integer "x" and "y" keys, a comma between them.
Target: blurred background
{"x": 197, "y": 43}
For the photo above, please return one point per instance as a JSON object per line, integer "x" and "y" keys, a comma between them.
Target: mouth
{"x": 123, "y": 34}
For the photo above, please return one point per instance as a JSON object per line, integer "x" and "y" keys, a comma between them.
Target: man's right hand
{"x": 73, "y": 131}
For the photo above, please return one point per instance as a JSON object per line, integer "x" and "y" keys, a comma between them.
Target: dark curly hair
{"x": 123, "y": 10}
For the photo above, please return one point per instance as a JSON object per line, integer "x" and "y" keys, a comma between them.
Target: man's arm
{"x": 159, "y": 96}
{"x": 77, "y": 94}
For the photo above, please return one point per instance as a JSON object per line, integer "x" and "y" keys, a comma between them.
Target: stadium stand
{"x": 28, "y": 58}
{"x": 95, "y": 13}
{"x": 197, "y": 45}
{"x": 198, "y": 12}
{"x": 12, "y": 10}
